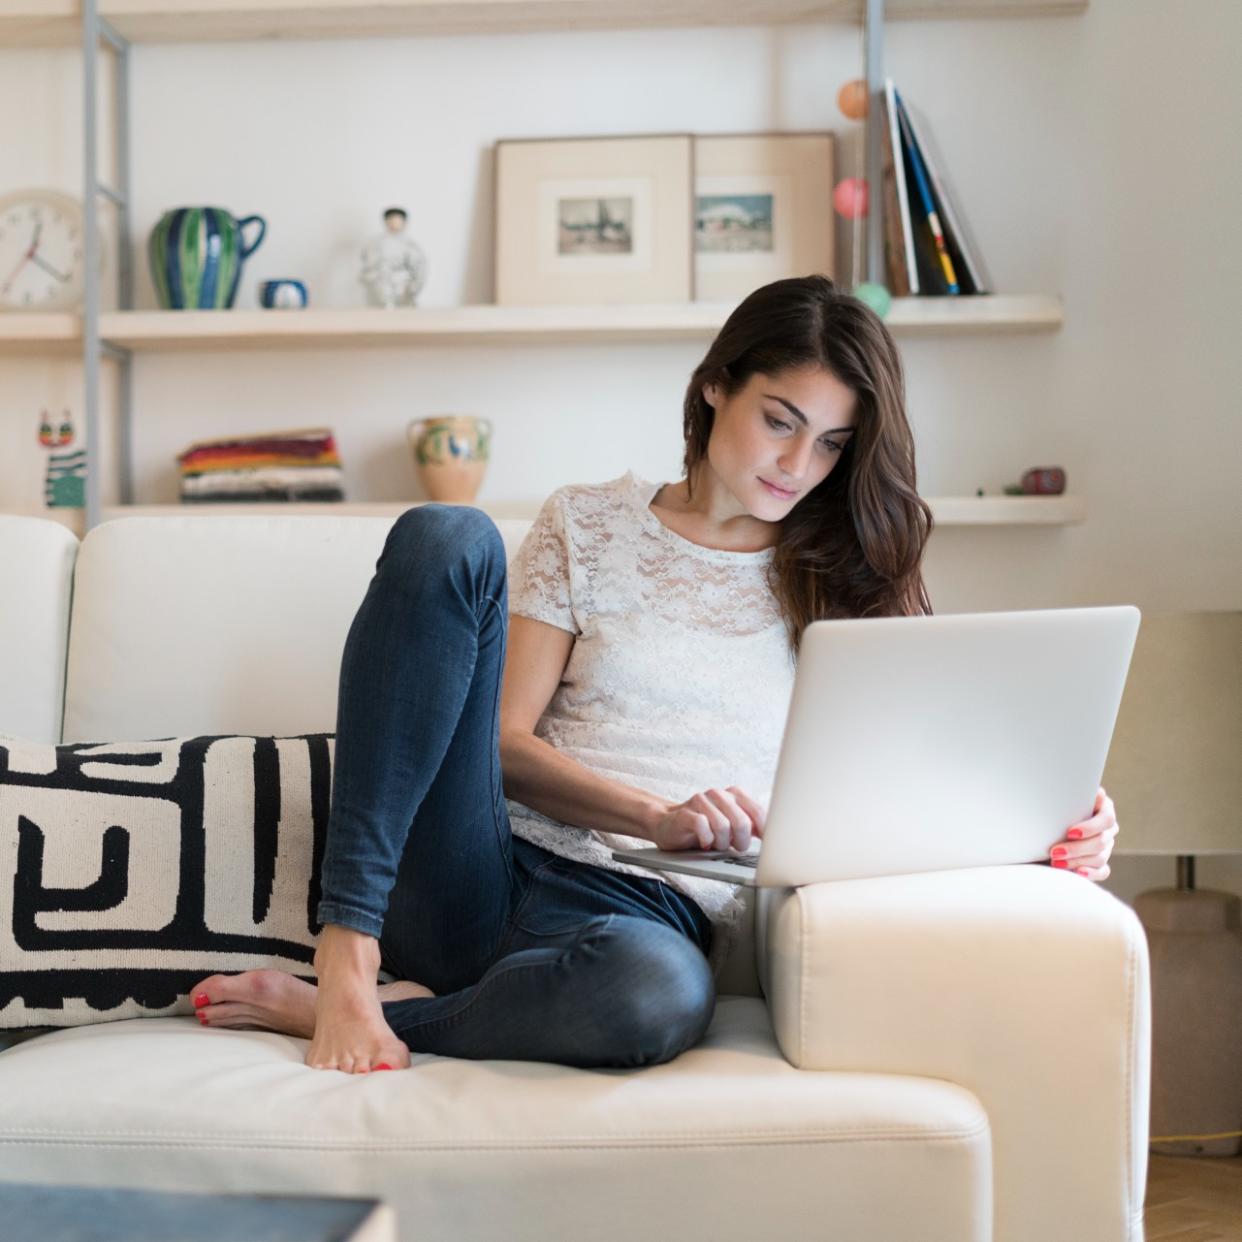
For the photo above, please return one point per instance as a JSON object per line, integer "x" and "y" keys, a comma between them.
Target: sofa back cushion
{"x": 131, "y": 871}
{"x": 217, "y": 624}
{"x": 36, "y": 583}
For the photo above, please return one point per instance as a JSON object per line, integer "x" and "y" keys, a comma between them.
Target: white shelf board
{"x": 366, "y": 327}
{"x": 947, "y": 510}
{"x": 1008, "y": 510}
{"x": 39, "y": 23}
{"x": 39, "y": 333}
{"x": 35, "y": 23}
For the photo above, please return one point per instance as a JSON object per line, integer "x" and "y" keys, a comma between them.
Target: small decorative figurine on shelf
{"x": 65, "y": 479}
{"x": 1039, "y": 481}
{"x": 394, "y": 268}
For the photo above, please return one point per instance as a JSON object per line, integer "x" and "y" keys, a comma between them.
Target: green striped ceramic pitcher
{"x": 196, "y": 256}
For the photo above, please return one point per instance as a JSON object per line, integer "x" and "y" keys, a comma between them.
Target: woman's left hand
{"x": 1088, "y": 845}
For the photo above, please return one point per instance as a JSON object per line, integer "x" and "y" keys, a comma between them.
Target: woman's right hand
{"x": 716, "y": 819}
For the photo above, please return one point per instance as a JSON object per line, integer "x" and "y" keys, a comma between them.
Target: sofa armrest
{"x": 1027, "y": 985}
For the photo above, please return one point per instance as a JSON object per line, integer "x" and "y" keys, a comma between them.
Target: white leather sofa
{"x": 949, "y": 1057}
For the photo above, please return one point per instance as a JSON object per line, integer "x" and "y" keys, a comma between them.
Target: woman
{"x": 652, "y": 637}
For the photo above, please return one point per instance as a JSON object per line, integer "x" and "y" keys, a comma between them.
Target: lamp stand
{"x": 1194, "y": 938}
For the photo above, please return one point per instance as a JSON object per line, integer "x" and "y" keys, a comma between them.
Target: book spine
{"x": 929, "y": 207}
{"x": 894, "y": 238}
{"x": 903, "y": 199}
{"x": 953, "y": 219}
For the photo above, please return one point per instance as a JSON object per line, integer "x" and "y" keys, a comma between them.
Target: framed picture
{"x": 762, "y": 210}
{"x": 594, "y": 220}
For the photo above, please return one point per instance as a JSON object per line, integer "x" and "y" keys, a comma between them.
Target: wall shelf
{"x": 1008, "y": 510}
{"x": 37, "y": 333}
{"x": 366, "y": 327}
{"x": 947, "y": 510}
{"x": 52, "y": 23}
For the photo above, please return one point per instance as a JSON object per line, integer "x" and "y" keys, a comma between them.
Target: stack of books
{"x": 927, "y": 247}
{"x": 279, "y": 465}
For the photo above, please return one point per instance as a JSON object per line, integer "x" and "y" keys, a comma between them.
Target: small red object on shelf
{"x": 1044, "y": 481}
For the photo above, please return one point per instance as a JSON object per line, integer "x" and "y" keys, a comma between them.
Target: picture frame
{"x": 594, "y": 220}
{"x": 762, "y": 210}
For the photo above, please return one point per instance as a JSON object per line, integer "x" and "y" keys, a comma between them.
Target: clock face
{"x": 41, "y": 252}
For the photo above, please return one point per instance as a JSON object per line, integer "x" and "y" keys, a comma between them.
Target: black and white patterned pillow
{"x": 131, "y": 870}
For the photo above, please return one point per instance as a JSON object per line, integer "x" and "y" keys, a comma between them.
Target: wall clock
{"x": 42, "y": 252}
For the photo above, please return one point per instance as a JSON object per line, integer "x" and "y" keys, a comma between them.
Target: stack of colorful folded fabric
{"x": 281, "y": 465}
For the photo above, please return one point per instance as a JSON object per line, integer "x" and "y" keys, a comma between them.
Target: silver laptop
{"x": 931, "y": 743}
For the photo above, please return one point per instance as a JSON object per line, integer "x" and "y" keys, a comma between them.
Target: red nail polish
{"x": 202, "y": 1020}
{"x": 201, "y": 999}
{"x": 1059, "y": 862}
{"x": 380, "y": 1067}
{"x": 1074, "y": 834}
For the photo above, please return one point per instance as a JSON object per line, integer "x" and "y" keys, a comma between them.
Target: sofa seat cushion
{"x": 515, "y": 1149}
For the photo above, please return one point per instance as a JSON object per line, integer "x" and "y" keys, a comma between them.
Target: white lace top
{"x": 680, "y": 677}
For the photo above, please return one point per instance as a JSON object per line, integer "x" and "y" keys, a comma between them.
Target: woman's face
{"x": 788, "y": 430}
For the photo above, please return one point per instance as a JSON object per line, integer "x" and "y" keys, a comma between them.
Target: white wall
{"x": 1094, "y": 155}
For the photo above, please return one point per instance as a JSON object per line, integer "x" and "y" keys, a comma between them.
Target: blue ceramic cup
{"x": 283, "y": 294}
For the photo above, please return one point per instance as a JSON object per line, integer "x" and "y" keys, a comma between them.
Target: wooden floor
{"x": 1194, "y": 1199}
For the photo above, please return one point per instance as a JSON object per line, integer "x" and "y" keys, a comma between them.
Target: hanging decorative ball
{"x": 874, "y": 295}
{"x": 850, "y": 197}
{"x": 852, "y": 100}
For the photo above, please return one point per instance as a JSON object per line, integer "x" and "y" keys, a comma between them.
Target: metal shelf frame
{"x": 95, "y": 29}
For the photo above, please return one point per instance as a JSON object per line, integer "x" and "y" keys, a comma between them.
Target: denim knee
{"x": 662, "y": 994}
{"x": 432, "y": 535}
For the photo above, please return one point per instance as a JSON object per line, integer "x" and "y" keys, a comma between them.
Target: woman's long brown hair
{"x": 853, "y": 546}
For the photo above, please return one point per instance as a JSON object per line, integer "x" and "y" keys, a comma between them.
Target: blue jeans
{"x": 532, "y": 957}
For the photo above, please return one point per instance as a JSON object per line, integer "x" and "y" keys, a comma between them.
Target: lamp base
{"x": 1194, "y": 939}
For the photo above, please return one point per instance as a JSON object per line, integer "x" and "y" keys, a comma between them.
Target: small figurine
{"x": 64, "y": 485}
{"x": 394, "y": 269}
{"x": 1039, "y": 481}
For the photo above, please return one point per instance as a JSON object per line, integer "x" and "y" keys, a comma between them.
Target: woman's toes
{"x": 208, "y": 992}
{"x": 220, "y": 988}
{"x": 225, "y": 1014}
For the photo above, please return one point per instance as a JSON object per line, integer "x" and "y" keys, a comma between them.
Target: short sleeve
{"x": 539, "y": 574}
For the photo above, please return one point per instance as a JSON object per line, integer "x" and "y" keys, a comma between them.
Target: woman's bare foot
{"x": 267, "y": 1000}
{"x": 274, "y": 1001}
{"x": 350, "y": 1032}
